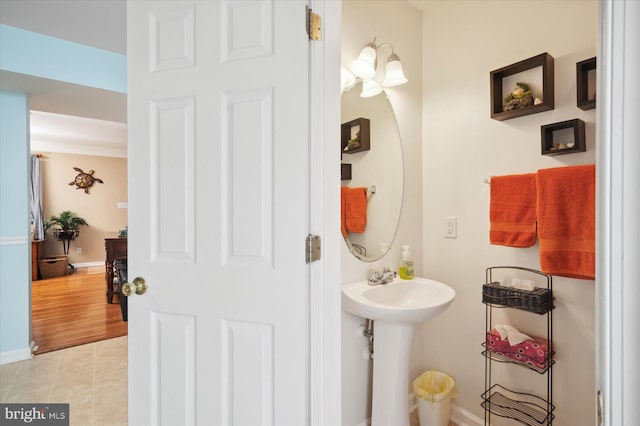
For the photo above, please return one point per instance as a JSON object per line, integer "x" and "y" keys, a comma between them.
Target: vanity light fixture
{"x": 365, "y": 67}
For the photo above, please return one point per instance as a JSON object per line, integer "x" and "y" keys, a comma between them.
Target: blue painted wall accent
{"x": 26, "y": 52}
{"x": 15, "y": 245}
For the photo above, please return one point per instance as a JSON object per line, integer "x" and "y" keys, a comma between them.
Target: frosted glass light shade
{"x": 347, "y": 80}
{"x": 394, "y": 75}
{"x": 364, "y": 66}
{"x": 370, "y": 88}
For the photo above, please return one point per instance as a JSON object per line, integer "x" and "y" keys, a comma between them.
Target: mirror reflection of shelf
{"x": 350, "y": 130}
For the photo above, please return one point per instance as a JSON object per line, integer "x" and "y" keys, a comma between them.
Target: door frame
{"x": 325, "y": 400}
{"x": 618, "y": 210}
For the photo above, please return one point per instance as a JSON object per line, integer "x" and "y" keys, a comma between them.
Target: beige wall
{"x": 98, "y": 208}
{"x": 463, "y": 42}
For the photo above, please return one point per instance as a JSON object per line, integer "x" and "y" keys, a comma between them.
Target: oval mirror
{"x": 378, "y": 169}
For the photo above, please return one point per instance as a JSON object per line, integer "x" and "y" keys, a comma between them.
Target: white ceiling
{"x": 67, "y": 117}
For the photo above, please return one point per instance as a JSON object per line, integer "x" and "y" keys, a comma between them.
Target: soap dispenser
{"x": 406, "y": 267}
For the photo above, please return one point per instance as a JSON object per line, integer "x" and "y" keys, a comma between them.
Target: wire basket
{"x": 538, "y": 300}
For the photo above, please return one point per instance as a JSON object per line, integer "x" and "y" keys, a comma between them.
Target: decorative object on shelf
{"x": 84, "y": 180}
{"x": 353, "y": 143}
{"x": 564, "y": 137}
{"x": 67, "y": 224}
{"x": 364, "y": 67}
{"x": 586, "y": 84}
{"x": 534, "y": 354}
{"x": 506, "y": 107}
{"x": 355, "y": 136}
{"x": 519, "y": 98}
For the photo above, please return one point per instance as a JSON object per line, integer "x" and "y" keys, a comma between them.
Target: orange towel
{"x": 354, "y": 205}
{"x": 567, "y": 221}
{"x": 343, "y": 211}
{"x": 512, "y": 211}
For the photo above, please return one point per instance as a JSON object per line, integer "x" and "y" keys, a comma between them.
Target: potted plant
{"x": 67, "y": 224}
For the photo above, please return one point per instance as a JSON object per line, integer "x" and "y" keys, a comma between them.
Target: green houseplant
{"x": 67, "y": 224}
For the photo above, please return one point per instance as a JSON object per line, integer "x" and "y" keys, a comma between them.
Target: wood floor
{"x": 73, "y": 310}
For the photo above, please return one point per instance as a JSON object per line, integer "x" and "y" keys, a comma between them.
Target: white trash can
{"x": 434, "y": 390}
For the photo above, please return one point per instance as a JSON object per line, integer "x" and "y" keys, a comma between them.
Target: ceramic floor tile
{"x": 39, "y": 369}
{"x": 8, "y": 373}
{"x": 32, "y": 393}
{"x": 78, "y": 356}
{"x": 80, "y": 417}
{"x": 78, "y": 390}
{"x": 110, "y": 415}
{"x": 77, "y": 373}
{"x": 71, "y": 376}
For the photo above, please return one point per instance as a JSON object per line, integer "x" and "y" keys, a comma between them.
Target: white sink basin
{"x": 412, "y": 301}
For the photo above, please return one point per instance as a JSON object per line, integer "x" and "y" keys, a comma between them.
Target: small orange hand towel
{"x": 512, "y": 210}
{"x": 567, "y": 221}
{"x": 355, "y": 202}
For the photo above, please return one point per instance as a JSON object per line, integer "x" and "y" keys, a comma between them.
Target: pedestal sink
{"x": 396, "y": 309}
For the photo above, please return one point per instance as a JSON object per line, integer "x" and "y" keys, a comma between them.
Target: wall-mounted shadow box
{"x": 564, "y": 137}
{"x": 586, "y": 84}
{"x": 537, "y": 72}
{"x": 345, "y": 171}
{"x": 350, "y": 130}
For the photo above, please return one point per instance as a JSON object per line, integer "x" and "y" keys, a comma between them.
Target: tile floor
{"x": 92, "y": 378}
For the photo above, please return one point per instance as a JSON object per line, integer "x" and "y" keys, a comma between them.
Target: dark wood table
{"x": 115, "y": 248}
{"x": 37, "y": 253}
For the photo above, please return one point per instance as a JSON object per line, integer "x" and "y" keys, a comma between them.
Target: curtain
{"x": 35, "y": 197}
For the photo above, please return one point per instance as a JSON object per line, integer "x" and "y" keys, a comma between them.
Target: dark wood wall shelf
{"x": 586, "y": 98}
{"x": 345, "y": 171}
{"x": 543, "y": 60}
{"x": 349, "y": 129}
{"x": 551, "y": 143}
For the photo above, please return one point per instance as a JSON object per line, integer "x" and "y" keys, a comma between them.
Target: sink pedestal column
{"x": 391, "y": 355}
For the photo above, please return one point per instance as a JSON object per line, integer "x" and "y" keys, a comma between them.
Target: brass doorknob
{"x": 139, "y": 285}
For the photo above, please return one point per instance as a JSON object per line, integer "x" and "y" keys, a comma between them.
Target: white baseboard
{"x": 459, "y": 415}
{"x": 462, "y": 417}
{"x": 88, "y": 264}
{"x": 15, "y": 356}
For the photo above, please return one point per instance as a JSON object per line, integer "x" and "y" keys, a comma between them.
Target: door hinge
{"x": 312, "y": 248}
{"x": 600, "y": 419}
{"x": 314, "y": 25}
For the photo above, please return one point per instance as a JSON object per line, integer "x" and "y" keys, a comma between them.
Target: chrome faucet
{"x": 377, "y": 277}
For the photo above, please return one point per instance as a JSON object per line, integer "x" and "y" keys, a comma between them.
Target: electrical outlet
{"x": 79, "y": 250}
{"x": 451, "y": 229}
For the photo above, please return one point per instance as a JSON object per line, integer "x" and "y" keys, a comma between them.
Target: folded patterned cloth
{"x": 532, "y": 352}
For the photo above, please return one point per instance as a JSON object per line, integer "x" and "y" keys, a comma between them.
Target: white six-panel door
{"x": 218, "y": 196}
